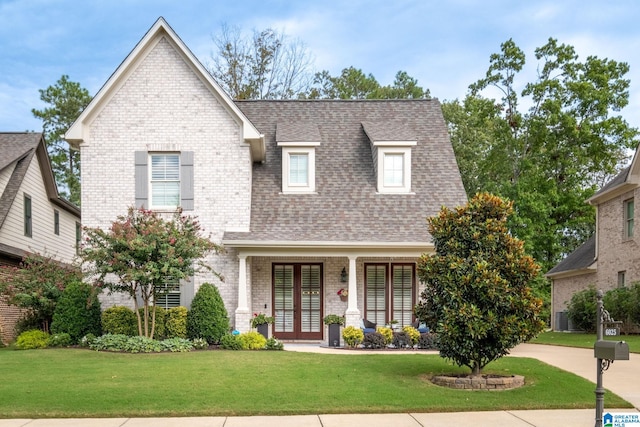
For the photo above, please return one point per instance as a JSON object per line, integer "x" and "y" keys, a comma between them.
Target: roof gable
{"x": 19, "y": 148}
{"x": 626, "y": 180}
{"x": 577, "y": 261}
{"x": 78, "y": 132}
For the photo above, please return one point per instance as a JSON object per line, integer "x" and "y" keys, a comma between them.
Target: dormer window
{"x": 391, "y": 149}
{"x": 298, "y": 142}
{"x": 298, "y": 169}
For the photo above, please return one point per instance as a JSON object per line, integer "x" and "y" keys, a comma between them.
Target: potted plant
{"x": 343, "y": 294}
{"x": 261, "y": 322}
{"x": 334, "y": 322}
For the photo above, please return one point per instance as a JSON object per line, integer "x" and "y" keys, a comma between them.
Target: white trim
{"x": 405, "y": 188}
{"x": 150, "y": 181}
{"x": 394, "y": 143}
{"x": 298, "y": 144}
{"x": 287, "y": 186}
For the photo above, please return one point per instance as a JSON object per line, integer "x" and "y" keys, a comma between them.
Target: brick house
{"x": 610, "y": 258}
{"x": 307, "y": 197}
{"x": 33, "y": 216}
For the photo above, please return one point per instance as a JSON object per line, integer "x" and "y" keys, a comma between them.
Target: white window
{"x": 165, "y": 180}
{"x": 394, "y": 169}
{"x": 298, "y": 169}
{"x": 628, "y": 218}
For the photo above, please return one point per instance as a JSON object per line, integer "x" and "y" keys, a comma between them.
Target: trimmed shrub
{"x": 352, "y": 336}
{"x": 428, "y": 341}
{"x": 77, "y": 312}
{"x": 34, "y": 338}
{"x": 402, "y": 339}
{"x": 62, "y": 339}
{"x": 159, "y": 333}
{"x": 176, "y": 322}
{"x": 230, "y": 342}
{"x": 253, "y": 340}
{"x": 413, "y": 333}
{"x": 387, "y": 333}
{"x": 581, "y": 310}
{"x": 208, "y": 317}
{"x": 374, "y": 340}
{"x": 119, "y": 320}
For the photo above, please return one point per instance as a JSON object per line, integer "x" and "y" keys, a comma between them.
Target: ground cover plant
{"x": 583, "y": 340}
{"x": 229, "y": 383}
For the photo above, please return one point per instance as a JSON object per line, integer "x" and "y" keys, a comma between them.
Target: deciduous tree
{"x": 477, "y": 295}
{"x": 547, "y": 145}
{"x": 267, "y": 65}
{"x": 141, "y": 252}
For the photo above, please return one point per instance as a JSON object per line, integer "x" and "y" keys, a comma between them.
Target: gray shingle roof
{"x": 617, "y": 180}
{"x": 579, "y": 259}
{"x": 347, "y": 207}
{"x": 21, "y": 148}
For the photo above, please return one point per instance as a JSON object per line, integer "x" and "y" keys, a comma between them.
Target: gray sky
{"x": 444, "y": 44}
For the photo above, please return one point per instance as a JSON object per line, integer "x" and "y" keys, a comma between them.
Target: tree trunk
{"x": 476, "y": 371}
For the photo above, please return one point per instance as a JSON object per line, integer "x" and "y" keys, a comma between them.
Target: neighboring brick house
{"x": 307, "y": 197}
{"x": 33, "y": 216}
{"x": 610, "y": 258}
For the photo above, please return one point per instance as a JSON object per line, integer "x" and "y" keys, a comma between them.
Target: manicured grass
{"x": 568, "y": 339}
{"x": 82, "y": 383}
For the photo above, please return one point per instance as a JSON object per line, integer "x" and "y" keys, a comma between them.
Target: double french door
{"x": 297, "y": 301}
{"x": 390, "y": 293}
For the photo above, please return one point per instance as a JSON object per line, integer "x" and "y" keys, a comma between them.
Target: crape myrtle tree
{"x": 36, "y": 285}
{"x": 477, "y": 296}
{"x": 141, "y": 252}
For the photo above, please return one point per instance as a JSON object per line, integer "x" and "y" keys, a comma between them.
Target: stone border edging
{"x": 480, "y": 382}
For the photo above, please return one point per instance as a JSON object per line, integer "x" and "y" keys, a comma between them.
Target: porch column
{"x": 243, "y": 314}
{"x": 352, "y": 315}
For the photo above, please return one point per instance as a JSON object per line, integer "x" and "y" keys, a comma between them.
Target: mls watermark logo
{"x": 621, "y": 420}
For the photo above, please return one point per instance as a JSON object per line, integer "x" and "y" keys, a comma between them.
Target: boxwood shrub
{"x": 176, "y": 322}
{"x": 208, "y": 317}
{"x": 119, "y": 320}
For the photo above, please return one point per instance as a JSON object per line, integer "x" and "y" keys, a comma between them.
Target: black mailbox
{"x": 611, "y": 350}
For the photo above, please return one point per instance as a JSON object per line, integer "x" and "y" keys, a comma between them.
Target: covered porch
{"x": 300, "y": 285}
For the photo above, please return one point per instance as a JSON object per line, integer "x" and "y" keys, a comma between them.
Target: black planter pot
{"x": 334, "y": 335}
{"x": 263, "y": 330}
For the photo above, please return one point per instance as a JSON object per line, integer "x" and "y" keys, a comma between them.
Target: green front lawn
{"x": 583, "y": 340}
{"x": 83, "y": 383}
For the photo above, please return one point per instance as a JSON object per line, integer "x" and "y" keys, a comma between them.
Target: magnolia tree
{"x": 141, "y": 253}
{"x": 478, "y": 296}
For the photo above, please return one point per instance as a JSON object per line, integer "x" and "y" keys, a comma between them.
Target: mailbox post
{"x": 605, "y": 351}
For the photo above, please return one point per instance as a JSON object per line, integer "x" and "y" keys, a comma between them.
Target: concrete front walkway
{"x": 622, "y": 378}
